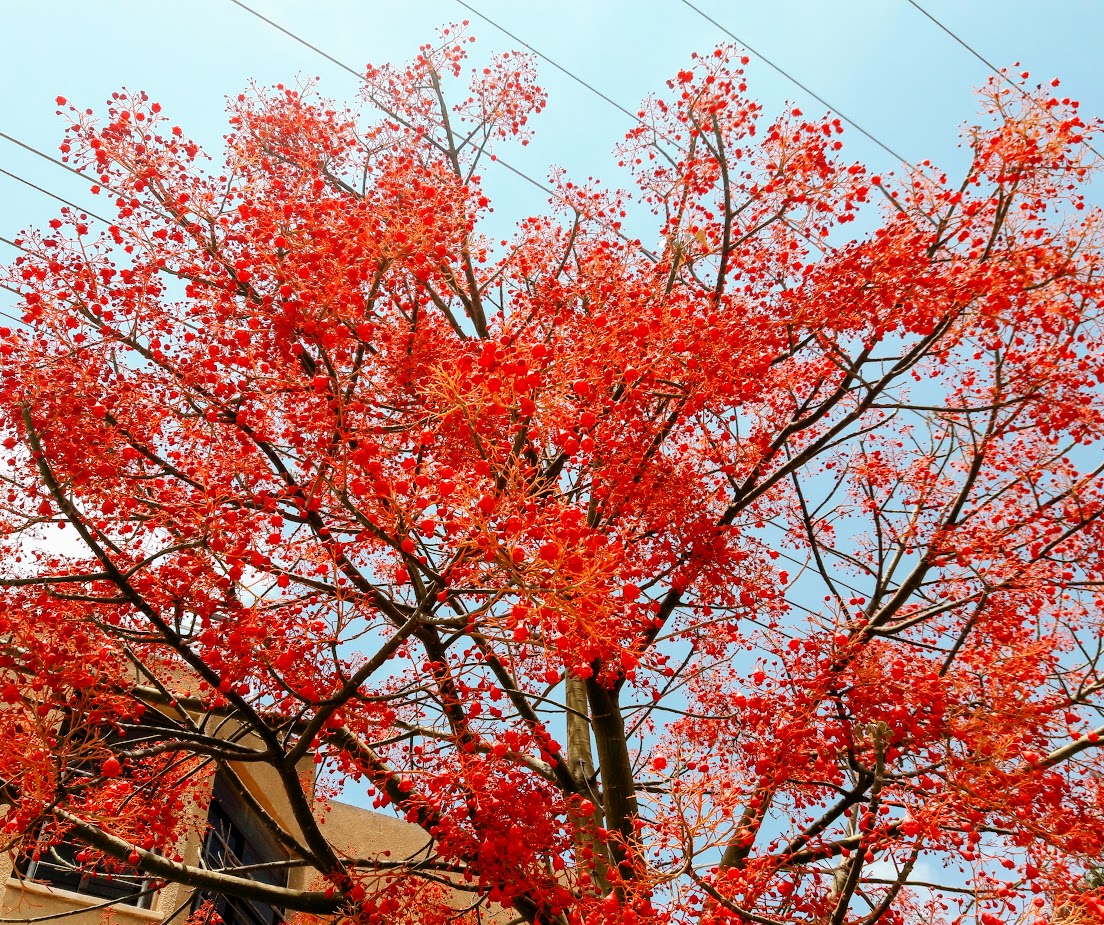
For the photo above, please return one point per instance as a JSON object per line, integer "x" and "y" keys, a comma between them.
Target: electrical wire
{"x": 11, "y": 318}
{"x": 46, "y": 192}
{"x": 8, "y": 288}
{"x": 579, "y": 80}
{"x": 559, "y": 67}
{"x": 992, "y": 67}
{"x": 46, "y": 157}
{"x": 12, "y": 243}
{"x": 495, "y": 158}
{"x": 91, "y": 181}
{"x": 345, "y": 67}
{"x": 816, "y": 96}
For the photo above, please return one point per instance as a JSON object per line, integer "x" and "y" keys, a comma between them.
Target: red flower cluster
{"x": 755, "y": 576}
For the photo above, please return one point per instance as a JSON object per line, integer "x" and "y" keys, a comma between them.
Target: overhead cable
{"x": 992, "y": 67}
{"x": 363, "y": 79}
{"x": 790, "y": 77}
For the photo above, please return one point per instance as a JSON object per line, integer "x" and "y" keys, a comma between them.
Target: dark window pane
{"x": 238, "y": 838}
{"x": 58, "y": 867}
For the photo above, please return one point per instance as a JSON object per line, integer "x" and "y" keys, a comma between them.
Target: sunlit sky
{"x": 881, "y": 62}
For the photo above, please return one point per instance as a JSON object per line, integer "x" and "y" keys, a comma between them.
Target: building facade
{"x": 54, "y": 887}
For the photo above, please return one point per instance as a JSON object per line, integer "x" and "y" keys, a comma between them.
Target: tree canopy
{"x": 750, "y": 572}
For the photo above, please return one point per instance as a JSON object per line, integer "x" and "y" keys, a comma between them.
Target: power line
{"x": 53, "y": 160}
{"x": 8, "y": 288}
{"x": 992, "y": 67}
{"x": 302, "y": 41}
{"x": 495, "y": 159}
{"x": 12, "y": 243}
{"x": 816, "y": 96}
{"x": 559, "y": 67}
{"x": 11, "y": 318}
{"x": 91, "y": 181}
{"x": 94, "y": 181}
{"x": 345, "y": 67}
{"x": 60, "y": 199}
{"x": 579, "y": 80}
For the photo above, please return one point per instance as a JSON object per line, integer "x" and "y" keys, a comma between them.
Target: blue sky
{"x": 879, "y": 61}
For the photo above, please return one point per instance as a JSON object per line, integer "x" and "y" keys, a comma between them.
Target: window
{"x": 58, "y": 867}
{"x": 238, "y": 838}
{"x": 58, "y": 863}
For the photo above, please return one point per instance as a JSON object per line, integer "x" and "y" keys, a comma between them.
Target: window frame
{"x": 71, "y": 875}
{"x": 235, "y": 828}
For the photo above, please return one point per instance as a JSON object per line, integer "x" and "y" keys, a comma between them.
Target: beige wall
{"x": 353, "y": 831}
{"x": 22, "y": 899}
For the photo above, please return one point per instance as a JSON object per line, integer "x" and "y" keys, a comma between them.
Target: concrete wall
{"x": 23, "y": 899}
{"x": 353, "y": 831}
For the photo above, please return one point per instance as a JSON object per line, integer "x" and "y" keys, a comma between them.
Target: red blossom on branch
{"x": 753, "y": 578}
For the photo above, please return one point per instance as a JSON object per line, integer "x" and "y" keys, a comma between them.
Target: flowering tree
{"x": 750, "y": 577}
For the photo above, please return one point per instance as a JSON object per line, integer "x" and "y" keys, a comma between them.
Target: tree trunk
{"x": 580, "y": 758}
{"x": 618, "y": 787}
